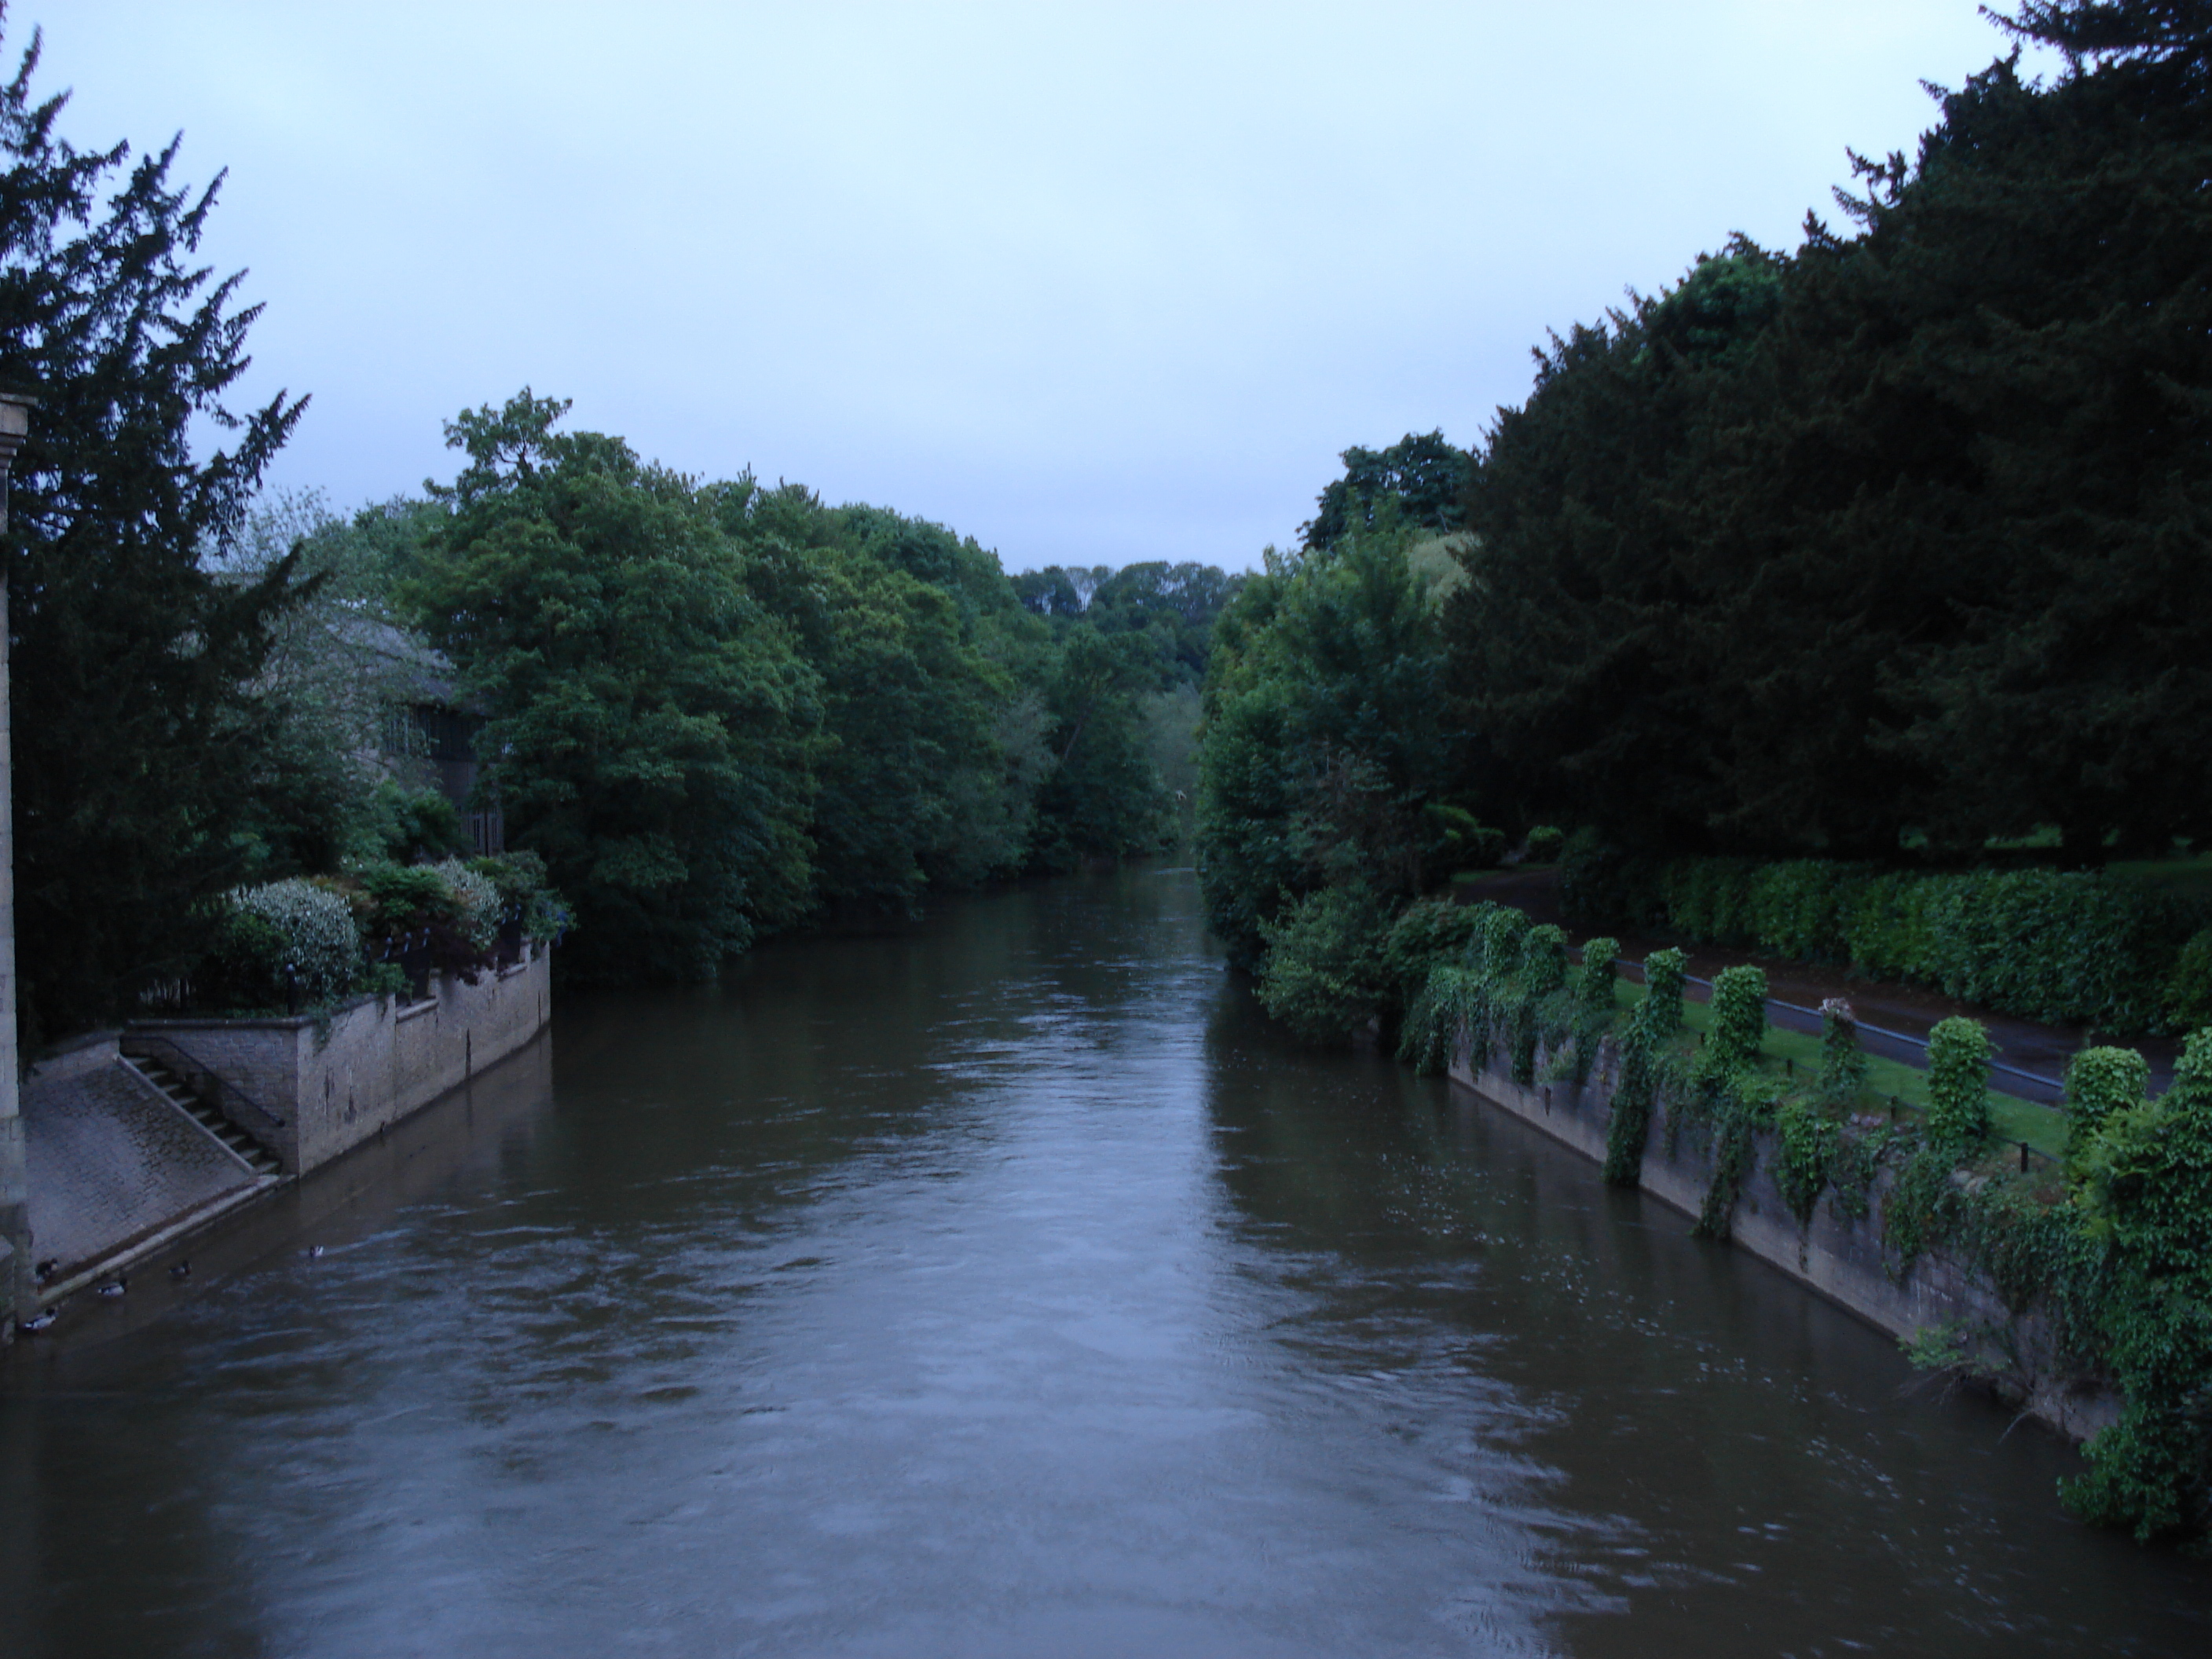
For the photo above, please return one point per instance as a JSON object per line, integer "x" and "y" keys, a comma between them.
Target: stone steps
{"x": 260, "y": 1157}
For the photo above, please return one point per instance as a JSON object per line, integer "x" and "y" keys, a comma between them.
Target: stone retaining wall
{"x": 1837, "y": 1255}
{"x": 313, "y": 1087}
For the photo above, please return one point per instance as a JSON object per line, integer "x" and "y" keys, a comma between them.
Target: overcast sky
{"x": 1091, "y": 283}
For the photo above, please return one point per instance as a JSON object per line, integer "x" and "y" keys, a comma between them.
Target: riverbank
{"x": 139, "y": 1139}
{"x": 1837, "y": 1254}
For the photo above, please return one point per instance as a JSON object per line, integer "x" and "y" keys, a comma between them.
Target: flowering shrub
{"x": 292, "y": 924}
{"x": 477, "y": 904}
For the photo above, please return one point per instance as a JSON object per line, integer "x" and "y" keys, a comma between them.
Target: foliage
{"x": 1460, "y": 839}
{"x": 1326, "y": 975}
{"x": 1451, "y": 1003}
{"x": 2147, "y": 1196}
{"x": 1806, "y": 1141}
{"x": 1594, "y": 980}
{"x": 2061, "y": 946}
{"x": 1644, "y": 1070}
{"x": 1323, "y": 736}
{"x": 1958, "y": 1082}
{"x": 280, "y": 939}
{"x": 478, "y": 906}
{"x": 1739, "y": 1017}
{"x": 1665, "y": 974}
{"x": 518, "y": 878}
{"x": 395, "y": 822}
{"x": 2188, "y": 995}
{"x": 142, "y": 741}
{"x": 1544, "y": 959}
{"x": 1843, "y": 1063}
{"x": 1544, "y": 844}
{"x": 1818, "y": 552}
{"x": 1421, "y": 479}
{"x": 1427, "y": 934}
{"x": 2099, "y": 1083}
{"x": 652, "y": 732}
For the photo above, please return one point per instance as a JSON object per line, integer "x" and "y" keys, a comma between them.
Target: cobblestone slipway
{"x": 112, "y": 1161}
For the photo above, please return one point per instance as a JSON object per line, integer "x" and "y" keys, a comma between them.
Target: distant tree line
{"x": 714, "y": 710}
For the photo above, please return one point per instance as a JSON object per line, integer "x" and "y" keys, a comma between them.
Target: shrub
{"x": 1644, "y": 1066}
{"x": 520, "y": 879}
{"x": 1461, "y": 841}
{"x": 1426, "y": 933}
{"x": 1594, "y": 980}
{"x": 1665, "y": 973}
{"x": 1806, "y": 1144}
{"x": 2188, "y": 994}
{"x": 1599, "y": 883}
{"x": 1739, "y": 1017}
{"x": 1843, "y": 1063}
{"x": 1451, "y": 1004}
{"x": 400, "y": 823}
{"x": 1958, "y": 1082}
{"x": 1543, "y": 960}
{"x": 1795, "y": 908}
{"x": 2066, "y": 946}
{"x": 2100, "y": 1082}
{"x": 475, "y": 902}
{"x": 292, "y": 924}
{"x": 2148, "y": 1197}
{"x": 1544, "y": 844}
{"x": 1324, "y": 975}
{"x": 1497, "y": 935}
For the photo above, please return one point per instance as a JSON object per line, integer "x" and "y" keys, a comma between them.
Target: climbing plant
{"x": 1958, "y": 1082}
{"x": 1843, "y": 1063}
{"x": 1646, "y": 1066}
{"x": 2098, "y": 1083}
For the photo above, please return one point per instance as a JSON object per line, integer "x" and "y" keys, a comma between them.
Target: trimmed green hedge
{"x": 2060, "y": 945}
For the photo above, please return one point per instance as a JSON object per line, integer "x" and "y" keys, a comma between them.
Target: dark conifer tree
{"x": 1924, "y": 548}
{"x": 137, "y": 736}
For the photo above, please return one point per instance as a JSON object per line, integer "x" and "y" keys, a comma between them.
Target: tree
{"x": 1909, "y": 546}
{"x": 1425, "y": 476}
{"x": 653, "y": 733}
{"x": 1325, "y": 734}
{"x": 139, "y": 732}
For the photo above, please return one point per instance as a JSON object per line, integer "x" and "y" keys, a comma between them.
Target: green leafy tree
{"x": 140, "y": 732}
{"x": 1102, "y": 797}
{"x": 1422, "y": 477}
{"x": 910, "y": 710}
{"x": 653, "y": 733}
{"x": 1325, "y": 734}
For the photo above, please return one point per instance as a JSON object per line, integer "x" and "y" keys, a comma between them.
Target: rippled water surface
{"x": 1005, "y": 1286}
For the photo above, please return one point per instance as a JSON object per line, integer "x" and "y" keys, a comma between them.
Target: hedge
{"x": 2067, "y": 947}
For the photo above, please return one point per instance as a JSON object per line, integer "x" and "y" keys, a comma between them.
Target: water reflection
{"x": 1002, "y": 1286}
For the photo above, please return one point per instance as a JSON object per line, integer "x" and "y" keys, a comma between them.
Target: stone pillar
{"x": 19, "y": 1291}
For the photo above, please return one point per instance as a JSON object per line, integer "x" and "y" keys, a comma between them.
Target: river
{"x": 1003, "y": 1284}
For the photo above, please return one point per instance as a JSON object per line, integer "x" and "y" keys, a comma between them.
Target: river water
{"x": 1005, "y": 1285}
